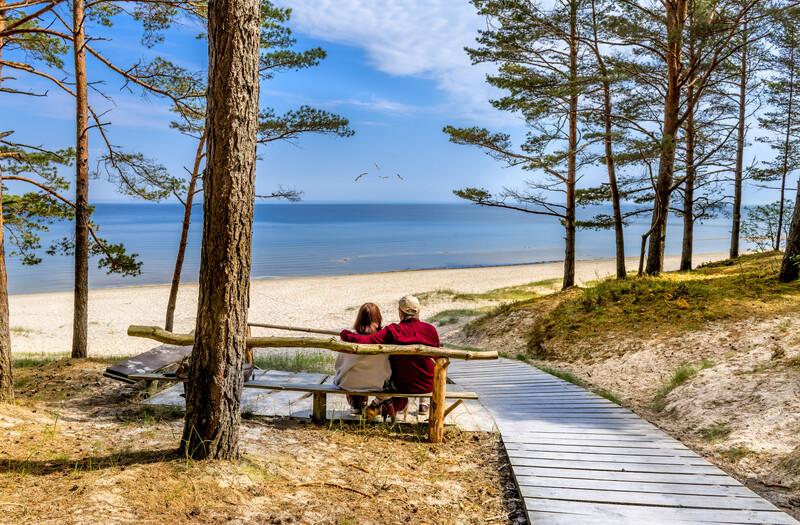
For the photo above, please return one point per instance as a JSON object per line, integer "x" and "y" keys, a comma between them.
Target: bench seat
{"x": 319, "y": 392}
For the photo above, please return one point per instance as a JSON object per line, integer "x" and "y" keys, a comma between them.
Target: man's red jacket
{"x": 410, "y": 374}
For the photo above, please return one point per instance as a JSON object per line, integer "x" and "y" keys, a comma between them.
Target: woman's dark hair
{"x": 368, "y": 320}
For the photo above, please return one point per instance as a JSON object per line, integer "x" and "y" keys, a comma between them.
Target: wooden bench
{"x": 441, "y": 359}
{"x": 320, "y": 392}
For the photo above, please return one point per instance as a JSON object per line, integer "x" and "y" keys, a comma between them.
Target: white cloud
{"x": 423, "y": 38}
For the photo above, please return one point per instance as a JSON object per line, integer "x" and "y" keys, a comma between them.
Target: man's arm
{"x": 380, "y": 337}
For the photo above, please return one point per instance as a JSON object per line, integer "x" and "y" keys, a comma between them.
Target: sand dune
{"x": 43, "y": 322}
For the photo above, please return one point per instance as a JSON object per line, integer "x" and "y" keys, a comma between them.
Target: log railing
{"x": 441, "y": 356}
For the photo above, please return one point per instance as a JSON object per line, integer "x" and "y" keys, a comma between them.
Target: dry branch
{"x": 163, "y": 336}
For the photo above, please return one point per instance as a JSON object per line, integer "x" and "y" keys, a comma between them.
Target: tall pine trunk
{"x": 211, "y": 428}
{"x": 80, "y": 324}
{"x": 676, "y": 13}
{"x": 688, "y": 191}
{"x": 569, "y": 219}
{"x": 619, "y": 234}
{"x": 736, "y": 215}
{"x": 6, "y": 374}
{"x": 187, "y": 220}
{"x": 790, "y": 267}
{"x": 786, "y": 153}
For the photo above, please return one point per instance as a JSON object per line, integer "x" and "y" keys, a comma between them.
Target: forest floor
{"x": 711, "y": 356}
{"x": 78, "y": 448}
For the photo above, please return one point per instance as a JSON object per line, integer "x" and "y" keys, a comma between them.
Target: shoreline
{"x": 42, "y": 322}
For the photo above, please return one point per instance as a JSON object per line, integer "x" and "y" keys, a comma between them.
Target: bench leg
{"x": 320, "y": 409}
{"x": 436, "y": 418}
{"x": 452, "y": 407}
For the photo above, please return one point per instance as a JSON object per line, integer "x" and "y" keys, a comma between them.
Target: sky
{"x": 397, "y": 69}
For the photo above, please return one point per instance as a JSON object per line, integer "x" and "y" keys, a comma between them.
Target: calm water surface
{"x": 330, "y": 239}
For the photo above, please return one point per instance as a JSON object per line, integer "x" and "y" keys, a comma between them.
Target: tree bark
{"x": 187, "y": 220}
{"x": 80, "y": 324}
{"x": 736, "y": 216}
{"x": 569, "y": 219}
{"x": 675, "y": 18}
{"x": 619, "y": 233}
{"x": 790, "y": 267}
{"x": 6, "y": 373}
{"x": 688, "y": 193}
{"x": 786, "y": 145}
{"x": 213, "y": 393}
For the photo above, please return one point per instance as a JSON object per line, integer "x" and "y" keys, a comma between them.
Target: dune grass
{"x": 679, "y": 376}
{"x": 508, "y": 294}
{"x": 317, "y": 362}
{"x": 745, "y": 287}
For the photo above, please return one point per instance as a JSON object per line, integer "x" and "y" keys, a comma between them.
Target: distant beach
{"x": 42, "y": 322}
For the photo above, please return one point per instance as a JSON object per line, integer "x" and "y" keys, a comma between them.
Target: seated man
{"x": 411, "y": 374}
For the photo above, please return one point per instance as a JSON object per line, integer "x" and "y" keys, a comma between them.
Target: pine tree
{"x": 782, "y": 119}
{"x": 539, "y": 55}
{"x": 213, "y": 393}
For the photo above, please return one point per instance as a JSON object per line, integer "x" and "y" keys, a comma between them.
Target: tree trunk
{"x": 80, "y": 324}
{"x": 676, "y": 14}
{"x": 736, "y": 220}
{"x": 688, "y": 193}
{"x": 786, "y": 153}
{"x": 569, "y": 219}
{"x": 790, "y": 267}
{"x": 6, "y": 373}
{"x": 187, "y": 220}
{"x": 214, "y": 388}
{"x": 619, "y": 234}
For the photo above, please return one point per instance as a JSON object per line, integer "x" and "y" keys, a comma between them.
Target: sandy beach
{"x": 43, "y": 322}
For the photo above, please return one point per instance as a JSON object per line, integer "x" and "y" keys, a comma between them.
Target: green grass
{"x": 506, "y": 294}
{"x": 569, "y": 377}
{"x": 21, "y": 330}
{"x": 448, "y": 317}
{"x": 714, "y": 433}
{"x": 320, "y": 362}
{"x": 31, "y": 359}
{"x": 668, "y": 304}
{"x": 736, "y": 454}
{"x": 681, "y": 375}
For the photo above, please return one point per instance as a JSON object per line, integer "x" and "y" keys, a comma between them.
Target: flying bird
{"x": 361, "y": 175}
{"x": 376, "y": 165}
{"x": 399, "y": 177}
{"x": 384, "y": 177}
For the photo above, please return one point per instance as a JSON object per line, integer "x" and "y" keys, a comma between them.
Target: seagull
{"x": 361, "y": 175}
{"x": 376, "y": 165}
{"x": 399, "y": 177}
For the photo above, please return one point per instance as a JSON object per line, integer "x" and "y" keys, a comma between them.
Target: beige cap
{"x": 409, "y": 305}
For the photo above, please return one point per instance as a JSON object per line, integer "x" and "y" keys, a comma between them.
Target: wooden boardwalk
{"x": 580, "y": 459}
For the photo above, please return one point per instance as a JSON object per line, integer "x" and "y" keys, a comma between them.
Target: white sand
{"x": 43, "y": 322}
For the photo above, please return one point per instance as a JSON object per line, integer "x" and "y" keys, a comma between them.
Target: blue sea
{"x": 333, "y": 239}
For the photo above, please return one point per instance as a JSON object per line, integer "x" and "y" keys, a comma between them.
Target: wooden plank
{"x": 645, "y": 513}
{"x": 654, "y": 451}
{"x": 635, "y": 477}
{"x": 558, "y": 518}
{"x": 571, "y": 440}
{"x": 637, "y": 486}
{"x": 650, "y": 459}
{"x": 332, "y": 389}
{"x": 151, "y": 361}
{"x": 639, "y": 498}
{"x": 619, "y": 466}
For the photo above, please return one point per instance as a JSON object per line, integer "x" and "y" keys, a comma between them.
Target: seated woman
{"x": 411, "y": 374}
{"x": 363, "y": 372}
